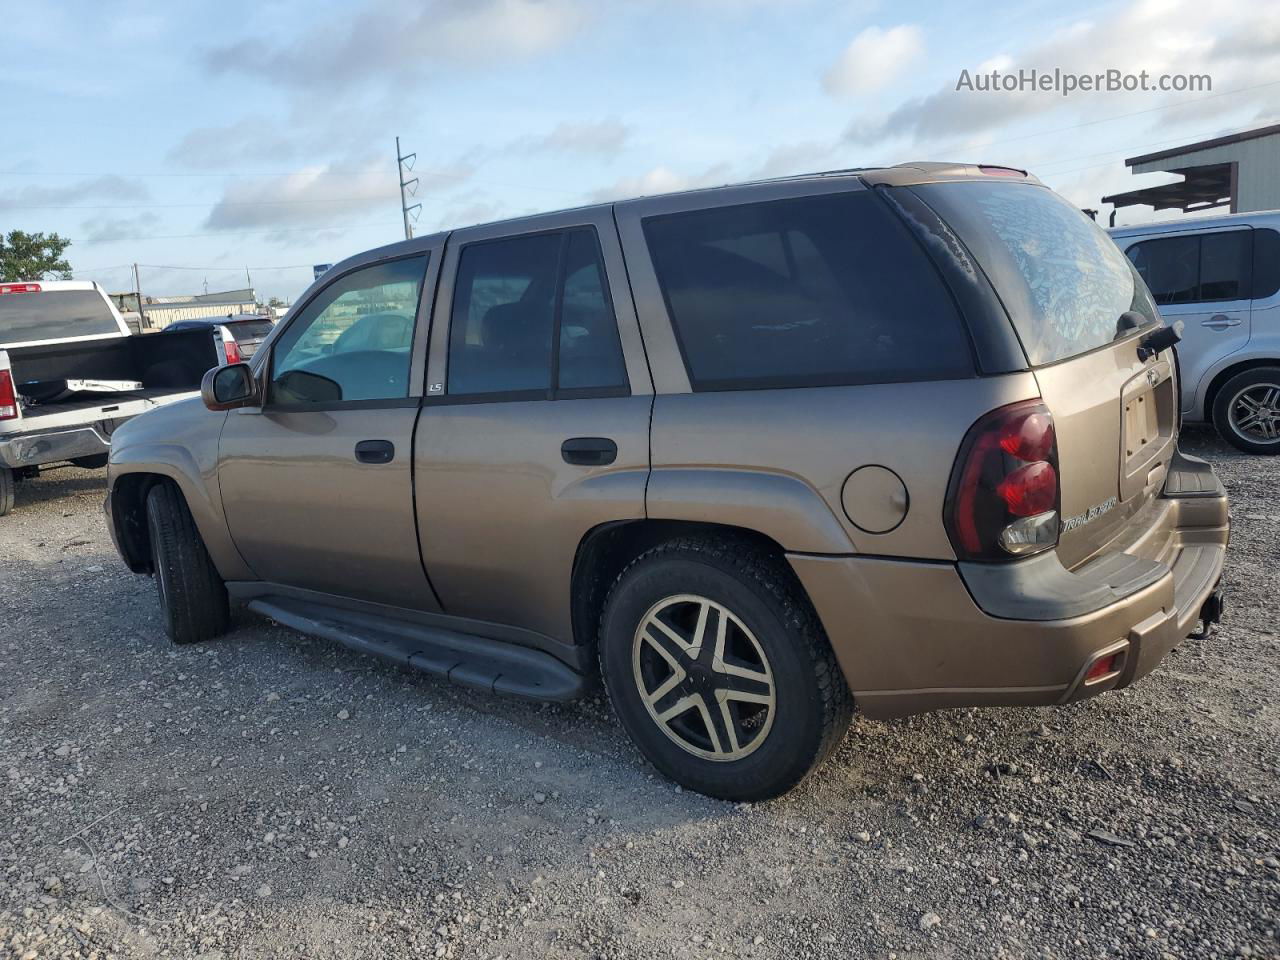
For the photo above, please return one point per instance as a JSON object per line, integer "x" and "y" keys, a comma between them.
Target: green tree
{"x": 33, "y": 256}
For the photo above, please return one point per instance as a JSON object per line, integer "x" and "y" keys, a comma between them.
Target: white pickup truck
{"x": 70, "y": 373}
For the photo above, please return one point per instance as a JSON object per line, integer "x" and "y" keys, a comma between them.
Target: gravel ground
{"x": 270, "y": 795}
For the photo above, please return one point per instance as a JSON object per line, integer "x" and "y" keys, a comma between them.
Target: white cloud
{"x": 388, "y": 40}
{"x": 606, "y": 138}
{"x": 80, "y": 193}
{"x": 1230, "y": 40}
{"x": 322, "y": 195}
{"x": 661, "y": 179}
{"x": 874, "y": 58}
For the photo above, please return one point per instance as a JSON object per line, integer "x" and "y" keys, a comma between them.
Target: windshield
{"x": 55, "y": 315}
{"x": 1060, "y": 276}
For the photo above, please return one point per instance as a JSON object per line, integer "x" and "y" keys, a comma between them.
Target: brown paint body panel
{"x": 501, "y": 513}
{"x": 792, "y": 450}
{"x": 909, "y": 636}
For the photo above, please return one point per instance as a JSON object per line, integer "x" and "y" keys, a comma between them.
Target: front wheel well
{"x": 606, "y": 550}
{"x": 129, "y": 516}
{"x": 1211, "y": 393}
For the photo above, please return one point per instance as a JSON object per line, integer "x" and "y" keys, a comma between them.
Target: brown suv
{"x": 903, "y": 438}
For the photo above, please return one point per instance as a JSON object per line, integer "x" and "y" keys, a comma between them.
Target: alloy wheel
{"x": 1255, "y": 413}
{"x": 703, "y": 677}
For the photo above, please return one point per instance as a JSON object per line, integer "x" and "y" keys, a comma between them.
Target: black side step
{"x": 480, "y": 663}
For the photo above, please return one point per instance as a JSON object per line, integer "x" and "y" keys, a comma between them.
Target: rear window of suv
{"x": 1062, "y": 279}
{"x": 811, "y": 291}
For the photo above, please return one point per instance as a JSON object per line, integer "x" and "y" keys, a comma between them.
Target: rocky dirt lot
{"x": 267, "y": 795}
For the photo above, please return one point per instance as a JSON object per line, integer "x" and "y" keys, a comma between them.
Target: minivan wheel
{"x": 1246, "y": 410}
{"x": 720, "y": 671}
{"x": 192, "y": 595}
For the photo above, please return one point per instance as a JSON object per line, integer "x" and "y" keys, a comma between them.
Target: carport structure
{"x": 1240, "y": 171}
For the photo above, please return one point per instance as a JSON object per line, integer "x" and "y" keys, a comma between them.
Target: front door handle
{"x": 589, "y": 451}
{"x": 375, "y": 451}
{"x": 1221, "y": 321}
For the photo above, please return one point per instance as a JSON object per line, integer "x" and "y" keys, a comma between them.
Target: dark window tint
{"x": 1062, "y": 279}
{"x": 504, "y": 310}
{"x": 1225, "y": 265}
{"x": 1170, "y": 267}
{"x": 804, "y": 292}
{"x": 1199, "y": 268}
{"x": 250, "y": 329}
{"x": 55, "y": 315}
{"x": 590, "y": 354}
{"x": 352, "y": 341}
{"x": 1266, "y": 263}
{"x": 510, "y": 299}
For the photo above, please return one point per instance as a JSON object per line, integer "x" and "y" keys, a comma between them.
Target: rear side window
{"x": 1063, "y": 281}
{"x": 1266, "y": 263}
{"x": 1196, "y": 268}
{"x": 55, "y": 315}
{"x": 809, "y": 291}
{"x": 532, "y": 316}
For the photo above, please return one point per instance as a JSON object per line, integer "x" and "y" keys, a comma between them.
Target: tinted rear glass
{"x": 250, "y": 329}
{"x": 1062, "y": 279}
{"x": 54, "y": 315}
{"x": 1266, "y": 263}
{"x": 809, "y": 291}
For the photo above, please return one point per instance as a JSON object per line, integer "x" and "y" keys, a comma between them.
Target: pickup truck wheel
{"x": 192, "y": 595}
{"x": 6, "y": 491}
{"x": 720, "y": 671}
{"x": 1246, "y": 410}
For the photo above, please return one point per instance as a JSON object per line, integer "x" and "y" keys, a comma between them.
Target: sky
{"x": 202, "y": 140}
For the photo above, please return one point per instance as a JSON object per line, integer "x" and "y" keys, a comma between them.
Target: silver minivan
{"x": 1221, "y": 277}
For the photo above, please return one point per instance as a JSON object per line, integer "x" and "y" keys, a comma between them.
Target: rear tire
{"x": 192, "y": 595}
{"x": 1247, "y": 407}
{"x": 6, "y": 491}
{"x": 741, "y": 714}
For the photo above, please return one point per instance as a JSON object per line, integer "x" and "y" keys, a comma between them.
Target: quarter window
{"x": 1200, "y": 268}
{"x": 804, "y": 292}
{"x": 532, "y": 317}
{"x": 352, "y": 342}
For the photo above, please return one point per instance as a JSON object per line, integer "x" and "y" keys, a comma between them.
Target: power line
{"x": 232, "y": 233}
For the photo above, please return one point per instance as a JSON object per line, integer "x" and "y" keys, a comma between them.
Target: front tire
{"x": 192, "y": 595}
{"x": 1246, "y": 410}
{"x": 718, "y": 668}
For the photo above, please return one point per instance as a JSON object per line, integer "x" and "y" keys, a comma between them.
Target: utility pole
{"x": 247, "y": 281}
{"x": 137, "y": 290}
{"x": 404, "y": 164}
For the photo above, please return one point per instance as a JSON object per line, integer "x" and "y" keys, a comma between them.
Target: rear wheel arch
{"x": 606, "y": 550}
{"x": 1222, "y": 376}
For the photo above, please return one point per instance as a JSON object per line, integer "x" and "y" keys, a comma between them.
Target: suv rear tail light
{"x": 230, "y": 347}
{"x": 8, "y": 397}
{"x": 1004, "y": 495}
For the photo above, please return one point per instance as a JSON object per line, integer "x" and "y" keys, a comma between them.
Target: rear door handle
{"x": 1221, "y": 321}
{"x": 589, "y": 451}
{"x": 375, "y": 451}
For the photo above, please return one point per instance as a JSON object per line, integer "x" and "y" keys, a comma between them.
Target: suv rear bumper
{"x": 914, "y": 636}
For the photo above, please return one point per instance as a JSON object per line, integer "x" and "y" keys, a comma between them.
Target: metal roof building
{"x": 1240, "y": 171}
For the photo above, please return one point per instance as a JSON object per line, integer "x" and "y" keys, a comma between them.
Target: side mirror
{"x": 225, "y": 388}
